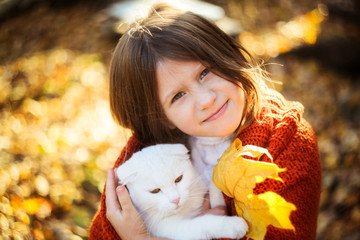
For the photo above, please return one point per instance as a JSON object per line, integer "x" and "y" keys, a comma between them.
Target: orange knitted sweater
{"x": 291, "y": 142}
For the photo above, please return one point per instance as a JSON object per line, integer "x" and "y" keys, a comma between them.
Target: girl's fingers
{"x": 206, "y": 208}
{"x": 206, "y": 203}
{"x": 124, "y": 199}
{"x": 112, "y": 202}
{"x": 218, "y": 211}
{"x": 117, "y": 197}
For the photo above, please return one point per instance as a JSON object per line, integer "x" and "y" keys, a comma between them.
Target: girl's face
{"x": 198, "y": 102}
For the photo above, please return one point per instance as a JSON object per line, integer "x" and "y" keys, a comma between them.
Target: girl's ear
{"x": 125, "y": 173}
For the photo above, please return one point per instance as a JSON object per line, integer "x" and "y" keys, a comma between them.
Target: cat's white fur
{"x": 170, "y": 208}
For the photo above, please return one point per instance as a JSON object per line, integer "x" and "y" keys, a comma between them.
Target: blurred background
{"x": 57, "y": 137}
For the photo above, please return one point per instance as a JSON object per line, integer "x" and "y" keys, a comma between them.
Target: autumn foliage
{"x": 237, "y": 176}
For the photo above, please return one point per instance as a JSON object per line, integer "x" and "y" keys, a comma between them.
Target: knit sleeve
{"x": 292, "y": 143}
{"x": 101, "y": 228}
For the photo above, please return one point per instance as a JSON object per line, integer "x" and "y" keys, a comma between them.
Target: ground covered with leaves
{"x": 57, "y": 137}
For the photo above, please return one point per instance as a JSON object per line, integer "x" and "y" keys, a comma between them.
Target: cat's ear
{"x": 125, "y": 173}
{"x": 179, "y": 150}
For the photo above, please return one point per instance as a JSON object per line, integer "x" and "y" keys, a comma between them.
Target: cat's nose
{"x": 176, "y": 201}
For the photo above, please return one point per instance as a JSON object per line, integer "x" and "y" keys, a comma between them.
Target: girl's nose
{"x": 205, "y": 98}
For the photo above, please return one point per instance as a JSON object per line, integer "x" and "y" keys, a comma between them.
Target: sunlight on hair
{"x": 129, "y": 11}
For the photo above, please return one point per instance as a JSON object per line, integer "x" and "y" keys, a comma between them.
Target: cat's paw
{"x": 234, "y": 227}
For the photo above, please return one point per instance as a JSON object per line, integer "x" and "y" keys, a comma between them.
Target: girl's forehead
{"x": 176, "y": 66}
{"x": 172, "y": 72}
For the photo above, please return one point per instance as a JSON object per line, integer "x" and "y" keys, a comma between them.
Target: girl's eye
{"x": 177, "y": 96}
{"x": 178, "y": 179}
{"x": 156, "y": 190}
{"x": 204, "y": 73}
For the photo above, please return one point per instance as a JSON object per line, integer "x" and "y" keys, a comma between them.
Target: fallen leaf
{"x": 237, "y": 177}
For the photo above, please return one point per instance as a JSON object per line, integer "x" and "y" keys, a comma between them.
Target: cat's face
{"x": 159, "y": 178}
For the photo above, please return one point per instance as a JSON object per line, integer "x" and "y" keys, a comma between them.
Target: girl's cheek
{"x": 182, "y": 114}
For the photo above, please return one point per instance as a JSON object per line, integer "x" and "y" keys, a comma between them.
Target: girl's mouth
{"x": 217, "y": 114}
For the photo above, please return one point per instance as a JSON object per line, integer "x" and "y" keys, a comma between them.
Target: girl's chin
{"x": 225, "y": 131}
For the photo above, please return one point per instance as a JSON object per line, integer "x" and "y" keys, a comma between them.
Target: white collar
{"x": 205, "y": 152}
{"x": 211, "y": 140}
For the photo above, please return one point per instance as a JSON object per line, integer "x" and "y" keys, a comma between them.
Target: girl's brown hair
{"x": 168, "y": 33}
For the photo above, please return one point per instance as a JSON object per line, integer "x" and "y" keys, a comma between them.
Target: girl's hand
{"x": 121, "y": 213}
{"x": 214, "y": 211}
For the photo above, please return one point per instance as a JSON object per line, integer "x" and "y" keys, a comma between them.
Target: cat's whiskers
{"x": 146, "y": 210}
{"x": 153, "y": 221}
{"x": 191, "y": 198}
{"x": 151, "y": 216}
{"x": 152, "y": 211}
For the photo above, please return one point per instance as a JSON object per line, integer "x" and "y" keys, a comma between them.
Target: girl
{"x": 176, "y": 77}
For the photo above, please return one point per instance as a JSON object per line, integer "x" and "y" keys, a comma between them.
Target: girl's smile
{"x": 218, "y": 113}
{"x": 197, "y": 101}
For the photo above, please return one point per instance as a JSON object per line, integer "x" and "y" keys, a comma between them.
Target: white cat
{"x": 169, "y": 193}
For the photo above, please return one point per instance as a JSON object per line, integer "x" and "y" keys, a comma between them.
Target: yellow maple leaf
{"x": 237, "y": 177}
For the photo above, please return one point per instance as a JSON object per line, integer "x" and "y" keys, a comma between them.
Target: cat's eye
{"x": 156, "y": 190}
{"x": 178, "y": 179}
